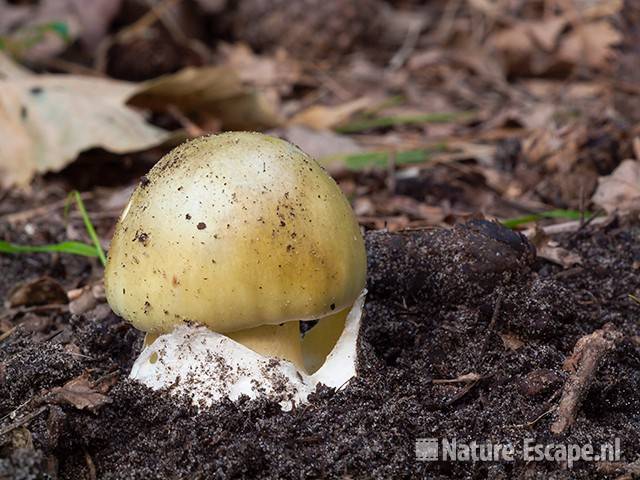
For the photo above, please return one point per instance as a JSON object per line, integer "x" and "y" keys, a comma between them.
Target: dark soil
{"x": 441, "y": 304}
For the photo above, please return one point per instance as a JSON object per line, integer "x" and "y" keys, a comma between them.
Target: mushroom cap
{"x": 233, "y": 231}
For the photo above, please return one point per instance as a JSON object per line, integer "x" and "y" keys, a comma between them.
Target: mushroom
{"x": 225, "y": 246}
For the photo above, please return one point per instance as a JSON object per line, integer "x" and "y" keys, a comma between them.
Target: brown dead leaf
{"x": 433, "y": 215}
{"x": 321, "y": 117}
{"x": 82, "y": 393}
{"x": 324, "y": 146}
{"x": 515, "y": 47}
{"x": 42, "y": 291}
{"x": 277, "y": 71}
{"x": 550, "y": 250}
{"x": 590, "y": 45}
{"x": 595, "y": 9}
{"x": 216, "y": 91}
{"x": 272, "y": 75}
{"x": 527, "y": 46}
{"x": 620, "y": 191}
{"x": 47, "y": 120}
{"x": 546, "y": 32}
{"x": 511, "y": 341}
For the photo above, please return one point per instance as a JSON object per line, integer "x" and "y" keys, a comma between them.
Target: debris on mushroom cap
{"x": 233, "y": 231}
{"x": 208, "y": 366}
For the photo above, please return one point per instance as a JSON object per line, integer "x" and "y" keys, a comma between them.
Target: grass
{"x": 74, "y": 248}
{"x": 23, "y": 40}
{"x": 69, "y": 247}
{"x": 535, "y": 217}
{"x": 365, "y": 124}
{"x": 362, "y": 161}
{"x": 87, "y": 224}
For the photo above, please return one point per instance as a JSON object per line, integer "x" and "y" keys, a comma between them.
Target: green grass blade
{"x": 89, "y": 226}
{"x": 75, "y": 248}
{"x": 382, "y": 122}
{"x": 535, "y": 217}
{"x": 361, "y": 161}
{"x": 59, "y": 28}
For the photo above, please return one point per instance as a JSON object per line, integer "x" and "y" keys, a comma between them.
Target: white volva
{"x": 208, "y": 366}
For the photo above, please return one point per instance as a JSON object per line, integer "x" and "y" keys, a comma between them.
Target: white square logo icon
{"x": 426, "y": 449}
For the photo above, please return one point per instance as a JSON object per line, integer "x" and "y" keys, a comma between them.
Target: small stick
{"x": 537, "y": 419}
{"x": 7, "y": 333}
{"x": 582, "y": 364}
{"x": 24, "y": 420}
{"x": 466, "y": 378}
{"x": 26, "y": 215}
{"x": 566, "y": 227}
{"x": 90, "y": 466}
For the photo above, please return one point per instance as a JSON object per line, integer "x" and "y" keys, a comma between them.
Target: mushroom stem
{"x": 320, "y": 340}
{"x": 149, "y": 338}
{"x": 282, "y": 341}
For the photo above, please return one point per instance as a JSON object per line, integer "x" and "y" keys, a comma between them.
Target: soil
{"x": 442, "y": 303}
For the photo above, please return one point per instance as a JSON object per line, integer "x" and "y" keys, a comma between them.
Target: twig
{"x": 37, "y": 308}
{"x": 129, "y": 32}
{"x": 7, "y": 333}
{"x": 566, "y": 227}
{"x": 466, "y": 378}
{"x": 163, "y": 14}
{"x": 537, "y": 419}
{"x": 408, "y": 46}
{"x": 582, "y": 364}
{"x": 90, "y": 466}
{"x": 22, "y": 421}
{"x": 589, "y": 221}
{"x": 26, "y": 215}
{"x": 462, "y": 393}
{"x": 190, "y": 127}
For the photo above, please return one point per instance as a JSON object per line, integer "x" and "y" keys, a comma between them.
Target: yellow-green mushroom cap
{"x": 234, "y": 231}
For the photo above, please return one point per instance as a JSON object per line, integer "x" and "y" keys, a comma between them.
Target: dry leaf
{"x": 590, "y": 45}
{"x": 278, "y": 71}
{"x": 550, "y": 250}
{"x": 47, "y": 120}
{"x": 272, "y": 75}
{"x": 620, "y": 191}
{"x": 82, "y": 393}
{"x": 215, "y": 91}
{"x": 546, "y": 32}
{"x": 42, "y": 291}
{"x": 511, "y": 341}
{"x": 515, "y": 46}
{"x": 321, "y": 145}
{"x": 593, "y": 9}
{"x": 321, "y": 117}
